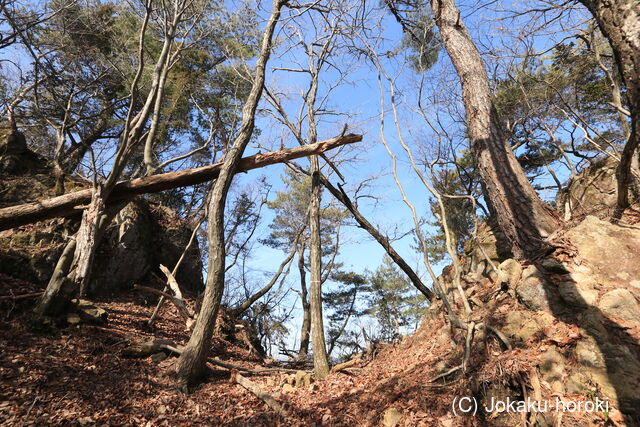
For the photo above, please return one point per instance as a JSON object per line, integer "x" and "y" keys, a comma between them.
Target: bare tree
{"x": 192, "y": 362}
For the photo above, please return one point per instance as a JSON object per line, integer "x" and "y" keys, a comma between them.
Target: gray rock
{"x": 509, "y": 272}
{"x": 621, "y": 303}
{"x": 552, "y": 366}
{"x": 580, "y": 294}
{"x": 587, "y": 353}
{"x": 531, "y": 290}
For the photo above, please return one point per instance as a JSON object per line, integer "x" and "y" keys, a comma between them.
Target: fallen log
{"x": 153, "y": 346}
{"x": 259, "y": 392}
{"x": 23, "y": 296}
{"x": 348, "y": 364}
{"x": 72, "y": 203}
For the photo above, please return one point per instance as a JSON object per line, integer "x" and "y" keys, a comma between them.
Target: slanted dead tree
{"x": 75, "y": 202}
{"x": 191, "y": 364}
{"x": 340, "y": 195}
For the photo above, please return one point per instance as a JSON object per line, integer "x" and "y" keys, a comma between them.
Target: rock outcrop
{"x": 143, "y": 235}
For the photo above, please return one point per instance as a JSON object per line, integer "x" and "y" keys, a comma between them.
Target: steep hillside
{"x": 563, "y": 329}
{"x": 146, "y": 232}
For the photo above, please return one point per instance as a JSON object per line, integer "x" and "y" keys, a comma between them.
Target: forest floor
{"x": 76, "y": 375}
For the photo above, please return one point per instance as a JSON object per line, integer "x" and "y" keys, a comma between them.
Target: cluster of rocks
{"x": 143, "y": 235}
{"x": 595, "y": 290}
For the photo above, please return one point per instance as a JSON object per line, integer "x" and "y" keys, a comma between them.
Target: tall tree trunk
{"x": 523, "y": 217}
{"x": 619, "y": 21}
{"x": 191, "y": 364}
{"x": 305, "y": 329}
{"x": 320, "y": 357}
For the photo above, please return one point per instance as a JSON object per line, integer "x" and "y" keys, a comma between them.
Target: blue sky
{"x": 361, "y": 99}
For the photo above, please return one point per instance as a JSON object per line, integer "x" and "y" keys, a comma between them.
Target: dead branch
{"x": 348, "y": 364}
{"x": 173, "y": 284}
{"x": 180, "y": 305}
{"x": 23, "y": 296}
{"x": 259, "y": 392}
{"x": 71, "y": 203}
{"x": 152, "y": 346}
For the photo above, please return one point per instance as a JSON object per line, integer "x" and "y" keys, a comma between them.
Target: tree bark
{"x": 619, "y": 21}
{"x": 523, "y": 217}
{"x": 305, "y": 329}
{"x": 320, "y": 357}
{"x": 192, "y": 362}
{"x": 76, "y": 202}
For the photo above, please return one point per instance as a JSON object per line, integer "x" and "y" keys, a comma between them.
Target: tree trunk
{"x": 523, "y": 217}
{"x": 192, "y": 362}
{"x": 320, "y": 357}
{"x": 50, "y": 300}
{"x": 619, "y": 22}
{"x": 305, "y": 330}
{"x": 342, "y": 197}
{"x": 76, "y": 202}
{"x": 73, "y": 270}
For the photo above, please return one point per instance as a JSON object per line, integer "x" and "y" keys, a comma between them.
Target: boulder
{"x": 579, "y": 294}
{"x": 611, "y": 250}
{"x": 509, "y": 272}
{"x": 623, "y": 304}
{"x": 302, "y": 378}
{"x": 552, "y": 368}
{"x": 89, "y": 312}
{"x": 533, "y": 290}
{"x": 592, "y": 191}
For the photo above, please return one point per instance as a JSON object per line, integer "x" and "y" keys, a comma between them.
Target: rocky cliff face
{"x": 143, "y": 235}
{"x": 572, "y": 318}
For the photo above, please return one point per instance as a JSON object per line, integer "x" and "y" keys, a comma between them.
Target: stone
{"x": 611, "y": 250}
{"x": 302, "y": 378}
{"x": 391, "y": 417}
{"x": 520, "y": 325}
{"x": 287, "y": 388}
{"x": 509, "y": 272}
{"x": 73, "y": 318}
{"x": 580, "y": 294}
{"x": 531, "y": 290}
{"x": 587, "y": 353}
{"x": 552, "y": 366}
{"x": 623, "y": 304}
{"x": 89, "y": 312}
{"x": 592, "y": 191}
{"x": 579, "y": 383}
{"x": 554, "y": 266}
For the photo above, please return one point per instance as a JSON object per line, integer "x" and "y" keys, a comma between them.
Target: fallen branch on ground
{"x": 348, "y": 364}
{"x": 72, "y": 203}
{"x": 23, "y": 296}
{"x": 259, "y": 392}
{"x": 147, "y": 348}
